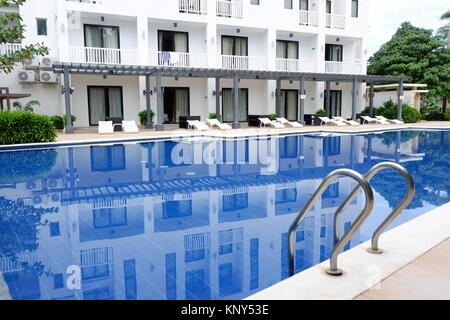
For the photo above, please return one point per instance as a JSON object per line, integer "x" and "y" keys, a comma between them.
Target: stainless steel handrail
{"x": 369, "y": 175}
{"x": 364, "y": 184}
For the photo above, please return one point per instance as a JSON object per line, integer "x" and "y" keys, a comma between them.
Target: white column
{"x": 271, "y": 56}
{"x": 142, "y": 47}
{"x": 211, "y": 50}
{"x": 62, "y": 28}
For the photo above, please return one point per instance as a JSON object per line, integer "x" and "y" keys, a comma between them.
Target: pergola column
{"x": 218, "y": 113}
{"x": 354, "y": 98}
{"x": 236, "y": 104}
{"x": 371, "y": 98}
{"x": 400, "y": 100}
{"x": 67, "y": 92}
{"x": 328, "y": 98}
{"x": 149, "y": 124}
{"x": 159, "y": 105}
{"x": 302, "y": 92}
{"x": 278, "y": 98}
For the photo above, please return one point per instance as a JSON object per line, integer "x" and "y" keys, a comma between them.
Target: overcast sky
{"x": 387, "y": 15}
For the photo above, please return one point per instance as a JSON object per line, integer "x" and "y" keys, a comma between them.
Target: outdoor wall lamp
{"x": 238, "y": 30}
{"x": 175, "y": 25}
{"x": 102, "y": 19}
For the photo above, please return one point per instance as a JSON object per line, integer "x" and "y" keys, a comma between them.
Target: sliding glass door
{"x": 232, "y": 49}
{"x": 172, "y": 41}
{"x": 335, "y": 104}
{"x": 334, "y": 52}
{"x": 227, "y": 105}
{"x": 289, "y": 104}
{"x": 104, "y": 37}
{"x": 176, "y": 104}
{"x": 287, "y": 49}
{"x": 304, "y": 5}
{"x": 104, "y": 103}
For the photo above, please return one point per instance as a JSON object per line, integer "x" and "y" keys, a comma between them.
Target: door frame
{"x": 106, "y": 101}
{"x": 285, "y": 103}
{"x": 189, "y": 102}
{"x": 185, "y": 32}
{"x": 222, "y": 104}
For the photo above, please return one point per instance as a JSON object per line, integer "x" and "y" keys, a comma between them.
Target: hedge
{"x": 143, "y": 116}
{"x": 18, "y": 127}
{"x": 60, "y": 121}
{"x": 389, "y": 111}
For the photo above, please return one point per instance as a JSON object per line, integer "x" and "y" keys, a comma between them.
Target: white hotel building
{"x": 267, "y": 46}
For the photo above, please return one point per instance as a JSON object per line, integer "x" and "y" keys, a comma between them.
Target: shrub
{"x": 389, "y": 111}
{"x": 410, "y": 115}
{"x": 321, "y": 112}
{"x": 212, "y": 115}
{"x": 143, "y": 116}
{"x": 60, "y": 121}
{"x": 273, "y": 116}
{"x": 25, "y": 127}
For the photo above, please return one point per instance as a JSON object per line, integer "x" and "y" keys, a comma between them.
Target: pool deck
{"x": 412, "y": 266}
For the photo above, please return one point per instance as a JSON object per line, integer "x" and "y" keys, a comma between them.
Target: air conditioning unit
{"x": 48, "y": 77}
{"x": 27, "y": 76}
{"x": 46, "y": 62}
{"x": 30, "y": 63}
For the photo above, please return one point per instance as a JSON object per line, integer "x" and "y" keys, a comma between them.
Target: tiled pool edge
{"x": 362, "y": 270}
{"x": 4, "y": 291}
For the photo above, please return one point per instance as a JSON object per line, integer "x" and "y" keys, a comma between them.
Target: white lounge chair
{"x": 292, "y": 124}
{"x": 373, "y": 120}
{"x": 329, "y": 122}
{"x": 105, "y": 127}
{"x": 216, "y": 123}
{"x": 197, "y": 125}
{"x": 130, "y": 127}
{"x": 266, "y": 122}
{"x": 394, "y": 121}
{"x": 353, "y": 123}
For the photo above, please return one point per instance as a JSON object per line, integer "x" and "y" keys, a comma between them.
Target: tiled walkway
{"x": 426, "y": 278}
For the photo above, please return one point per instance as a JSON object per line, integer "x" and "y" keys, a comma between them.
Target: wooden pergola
{"x": 6, "y": 95}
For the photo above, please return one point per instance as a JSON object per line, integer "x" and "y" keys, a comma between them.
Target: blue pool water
{"x": 190, "y": 219}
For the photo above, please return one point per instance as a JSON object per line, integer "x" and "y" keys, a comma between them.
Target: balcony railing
{"x": 343, "y": 67}
{"x": 8, "y": 48}
{"x": 296, "y": 65}
{"x": 335, "y": 21}
{"x": 18, "y": 263}
{"x": 309, "y": 18}
{"x": 178, "y": 59}
{"x": 104, "y": 56}
{"x": 96, "y": 256}
{"x": 230, "y": 9}
{"x": 87, "y": 1}
{"x": 242, "y": 62}
{"x": 193, "y": 6}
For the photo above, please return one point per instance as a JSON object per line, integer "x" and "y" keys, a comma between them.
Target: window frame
{"x": 45, "y": 20}
{"x": 357, "y": 9}
{"x": 173, "y": 32}
{"x": 106, "y": 90}
{"x": 103, "y": 40}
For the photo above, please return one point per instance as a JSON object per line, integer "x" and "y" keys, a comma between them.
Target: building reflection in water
{"x": 195, "y": 219}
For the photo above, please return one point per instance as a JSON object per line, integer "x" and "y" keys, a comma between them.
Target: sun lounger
{"x": 394, "y": 121}
{"x": 130, "y": 127}
{"x": 197, "y": 125}
{"x": 216, "y": 123}
{"x": 105, "y": 127}
{"x": 353, "y": 123}
{"x": 266, "y": 122}
{"x": 329, "y": 122}
{"x": 292, "y": 124}
{"x": 373, "y": 120}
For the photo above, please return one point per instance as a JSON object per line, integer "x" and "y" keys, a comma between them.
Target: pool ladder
{"x": 363, "y": 184}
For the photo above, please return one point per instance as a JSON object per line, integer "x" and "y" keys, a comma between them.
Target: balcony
{"x": 178, "y": 59}
{"x": 242, "y": 62}
{"x": 96, "y": 256}
{"x": 309, "y": 18}
{"x": 230, "y": 9}
{"x": 343, "y": 67}
{"x": 296, "y": 65}
{"x": 104, "y": 56}
{"x": 335, "y": 21}
{"x": 8, "y": 48}
{"x": 192, "y": 6}
{"x": 86, "y": 1}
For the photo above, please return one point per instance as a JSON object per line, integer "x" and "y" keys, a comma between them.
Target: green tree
{"x": 417, "y": 53}
{"x": 445, "y": 30}
{"x": 12, "y": 31}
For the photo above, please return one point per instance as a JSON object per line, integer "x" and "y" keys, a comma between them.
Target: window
{"x": 104, "y": 103}
{"x": 285, "y": 196}
{"x": 58, "y": 281}
{"x": 129, "y": 270}
{"x": 95, "y": 272}
{"x": 110, "y": 217}
{"x": 328, "y": 7}
{"x": 334, "y": 52}
{"x": 54, "y": 229}
{"x": 289, "y": 105}
{"x": 171, "y": 41}
{"x": 171, "y": 276}
{"x": 355, "y": 8}
{"x": 287, "y": 49}
{"x": 288, "y": 4}
{"x": 194, "y": 255}
{"x": 254, "y": 263}
{"x": 41, "y": 27}
{"x": 256, "y": 2}
{"x": 176, "y": 104}
{"x": 177, "y": 209}
{"x": 234, "y": 202}
{"x": 227, "y": 105}
{"x": 226, "y": 249}
{"x": 105, "y": 159}
{"x": 96, "y": 36}
{"x": 97, "y": 294}
{"x": 234, "y": 46}
{"x": 304, "y": 5}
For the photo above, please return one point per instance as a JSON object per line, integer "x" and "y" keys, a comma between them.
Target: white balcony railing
{"x": 96, "y": 256}
{"x": 8, "y": 48}
{"x": 296, "y": 65}
{"x": 17, "y": 263}
{"x": 309, "y": 18}
{"x": 87, "y": 1}
{"x": 343, "y": 67}
{"x": 242, "y": 62}
{"x": 335, "y": 21}
{"x": 103, "y": 55}
{"x": 193, "y": 6}
{"x": 178, "y": 59}
{"x": 230, "y": 9}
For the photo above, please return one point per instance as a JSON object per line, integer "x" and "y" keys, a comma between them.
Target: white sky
{"x": 387, "y": 15}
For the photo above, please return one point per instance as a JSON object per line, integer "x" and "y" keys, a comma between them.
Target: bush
{"x": 212, "y": 115}
{"x": 389, "y": 111}
{"x": 60, "y": 121}
{"x": 143, "y": 116}
{"x": 273, "y": 116}
{"x": 321, "y": 112}
{"x": 25, "y": 127}
{"x": 410, "y": 115}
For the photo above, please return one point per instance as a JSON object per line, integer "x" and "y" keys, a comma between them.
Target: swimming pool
{"x": 195, "y": 219}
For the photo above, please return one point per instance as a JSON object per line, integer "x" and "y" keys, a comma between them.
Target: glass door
{"x": 104, "y": 37}
{"x": 334, "y": 52}
{"x": 304, "y": 5}
{"x": 104, "y": 103}
{"x": 176, "y": 104}
{"x": 227, "y": 105}
{"x": 234, "y": 46}
{"x": 335, "y": 103}
{"x": 289, "y": 104}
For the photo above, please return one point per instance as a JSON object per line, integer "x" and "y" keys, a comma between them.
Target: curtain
{"x": 288, "y": 4}
{"x": 181, "y": 103}
{"x": 291, "y": 102}
{"x": 292, "y": 50}
{"x": 241, "y": 46}
{"x": 283, "y": 104}
{"x": 181, "y": 42}
{"x": 115, "y": 102}
{"x": 281, "y": 50}
{"x": 227, "y": 105}
{"x": 227, "y": 46}
{"x": 304, "y": 5}
{"x": 93, "y": 37}
{"x": 110, "y": 38}
{"x": 97, "y": 105}
{"x": 243, "y": 97}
